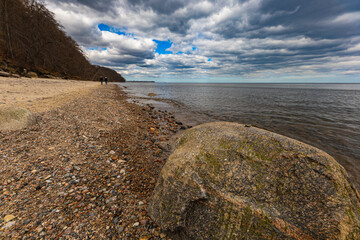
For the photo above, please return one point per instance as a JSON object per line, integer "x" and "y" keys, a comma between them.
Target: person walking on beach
{"x": 101, "y": 80}
{"x": 106, "y": 80}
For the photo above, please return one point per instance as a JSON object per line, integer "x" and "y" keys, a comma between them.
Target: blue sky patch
{"x": 119, "y": 31}
{"x": 162, "y": 46}
{"x": 98, "y": 48}
{"x": 209, "y": 60}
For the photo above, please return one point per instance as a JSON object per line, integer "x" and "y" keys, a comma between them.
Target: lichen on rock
{"x": 228, "y": 181}
{"x": 15, "y": 118}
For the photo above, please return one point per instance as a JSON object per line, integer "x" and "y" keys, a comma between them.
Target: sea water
{"x": 326, "y": 116}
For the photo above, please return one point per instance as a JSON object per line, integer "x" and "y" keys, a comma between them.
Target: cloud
{"x": 121, "y": 49}
{"x": 243, "y": 38}
{"x": 101, "y": 6}
{"x": 348, "y": 18}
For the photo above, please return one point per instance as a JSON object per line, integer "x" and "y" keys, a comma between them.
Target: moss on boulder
{"x": 15, "y": 118}
{"x": 228, "y": 181}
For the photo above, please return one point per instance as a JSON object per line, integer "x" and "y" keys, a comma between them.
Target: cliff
{"x": 31, "y": 40}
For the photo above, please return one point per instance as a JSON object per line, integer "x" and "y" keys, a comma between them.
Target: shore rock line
{"x": 230, "y": 181}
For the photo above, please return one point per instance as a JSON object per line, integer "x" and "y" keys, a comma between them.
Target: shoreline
{"x": 85, "y": 169}
{"x": 314, "y": 133}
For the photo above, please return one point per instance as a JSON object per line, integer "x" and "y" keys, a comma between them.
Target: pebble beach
{"x": 86, "y": 168}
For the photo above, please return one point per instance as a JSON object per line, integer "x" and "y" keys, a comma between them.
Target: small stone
{"x": 136, "y": 224}
{"x": 112, "y": 152}
{"x": 145, "y": 236}
{"x": 143, "y": 221}
{"x": 47, "y": 177}
{"x": 162, "y": 235}
{"x": 77, "y": 168}
{"x": 9, "y": 217}
{"x": 9, "y": 224}
{"x": 122, "y": 171}
{"x": 141, "y": 203}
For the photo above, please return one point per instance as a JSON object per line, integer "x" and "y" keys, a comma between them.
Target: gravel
{"x": 85, "y": 170}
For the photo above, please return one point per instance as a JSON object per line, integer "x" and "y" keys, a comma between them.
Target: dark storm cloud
{"x": 101, "y": 6}
{"x": 239, "y": 37}
{"x": 300, "y": 17}
{"x": 166, "y": 7}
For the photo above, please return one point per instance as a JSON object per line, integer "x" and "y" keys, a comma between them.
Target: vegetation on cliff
{"x": 31, "y": 39}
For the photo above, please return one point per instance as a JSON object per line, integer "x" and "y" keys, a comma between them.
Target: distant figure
{"x": 101, "y": 80}
{"x": 106, "y": 80}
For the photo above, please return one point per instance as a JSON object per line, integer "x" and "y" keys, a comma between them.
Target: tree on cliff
{"x": 31, "y": 38}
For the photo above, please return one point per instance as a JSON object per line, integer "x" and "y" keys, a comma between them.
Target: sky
{"x": 218, "y": 40}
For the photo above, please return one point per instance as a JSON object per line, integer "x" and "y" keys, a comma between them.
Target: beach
{"x": 40, "y": 95}
{"x": 86, "y": 168}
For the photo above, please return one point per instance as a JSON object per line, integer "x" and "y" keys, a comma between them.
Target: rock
{"x": 32, "y": 75}
{"x": 9, "y": 225}
{"x": 15, "y": 118}
{"x": 15, "y": 75}
{"x": 4, "y": 74}
{"x": 112, "y": 152}
{"x": 145, "y": 236}
{"x": 49, "y": 76}
{"x": 228, "y": 181}
{"x": 136, "y": 224}
{"x": 9, "y": 217}
{"x": 152, "y": 94}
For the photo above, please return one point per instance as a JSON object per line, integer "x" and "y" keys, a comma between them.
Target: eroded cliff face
{"x": 228, "y": 181}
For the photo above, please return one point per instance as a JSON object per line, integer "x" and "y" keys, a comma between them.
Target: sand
{"x": 86, "y": 168}
{"x": 40, "y": 95}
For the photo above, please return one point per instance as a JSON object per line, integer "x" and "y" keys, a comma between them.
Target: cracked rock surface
{"x": 232, "y": 181}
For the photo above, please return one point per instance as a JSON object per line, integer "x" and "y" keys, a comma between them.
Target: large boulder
{"x": 230, "y": 181}
{"x": 15, "y": 118}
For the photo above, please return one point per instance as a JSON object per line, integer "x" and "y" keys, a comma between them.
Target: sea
{"x": 326, "y": 116}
